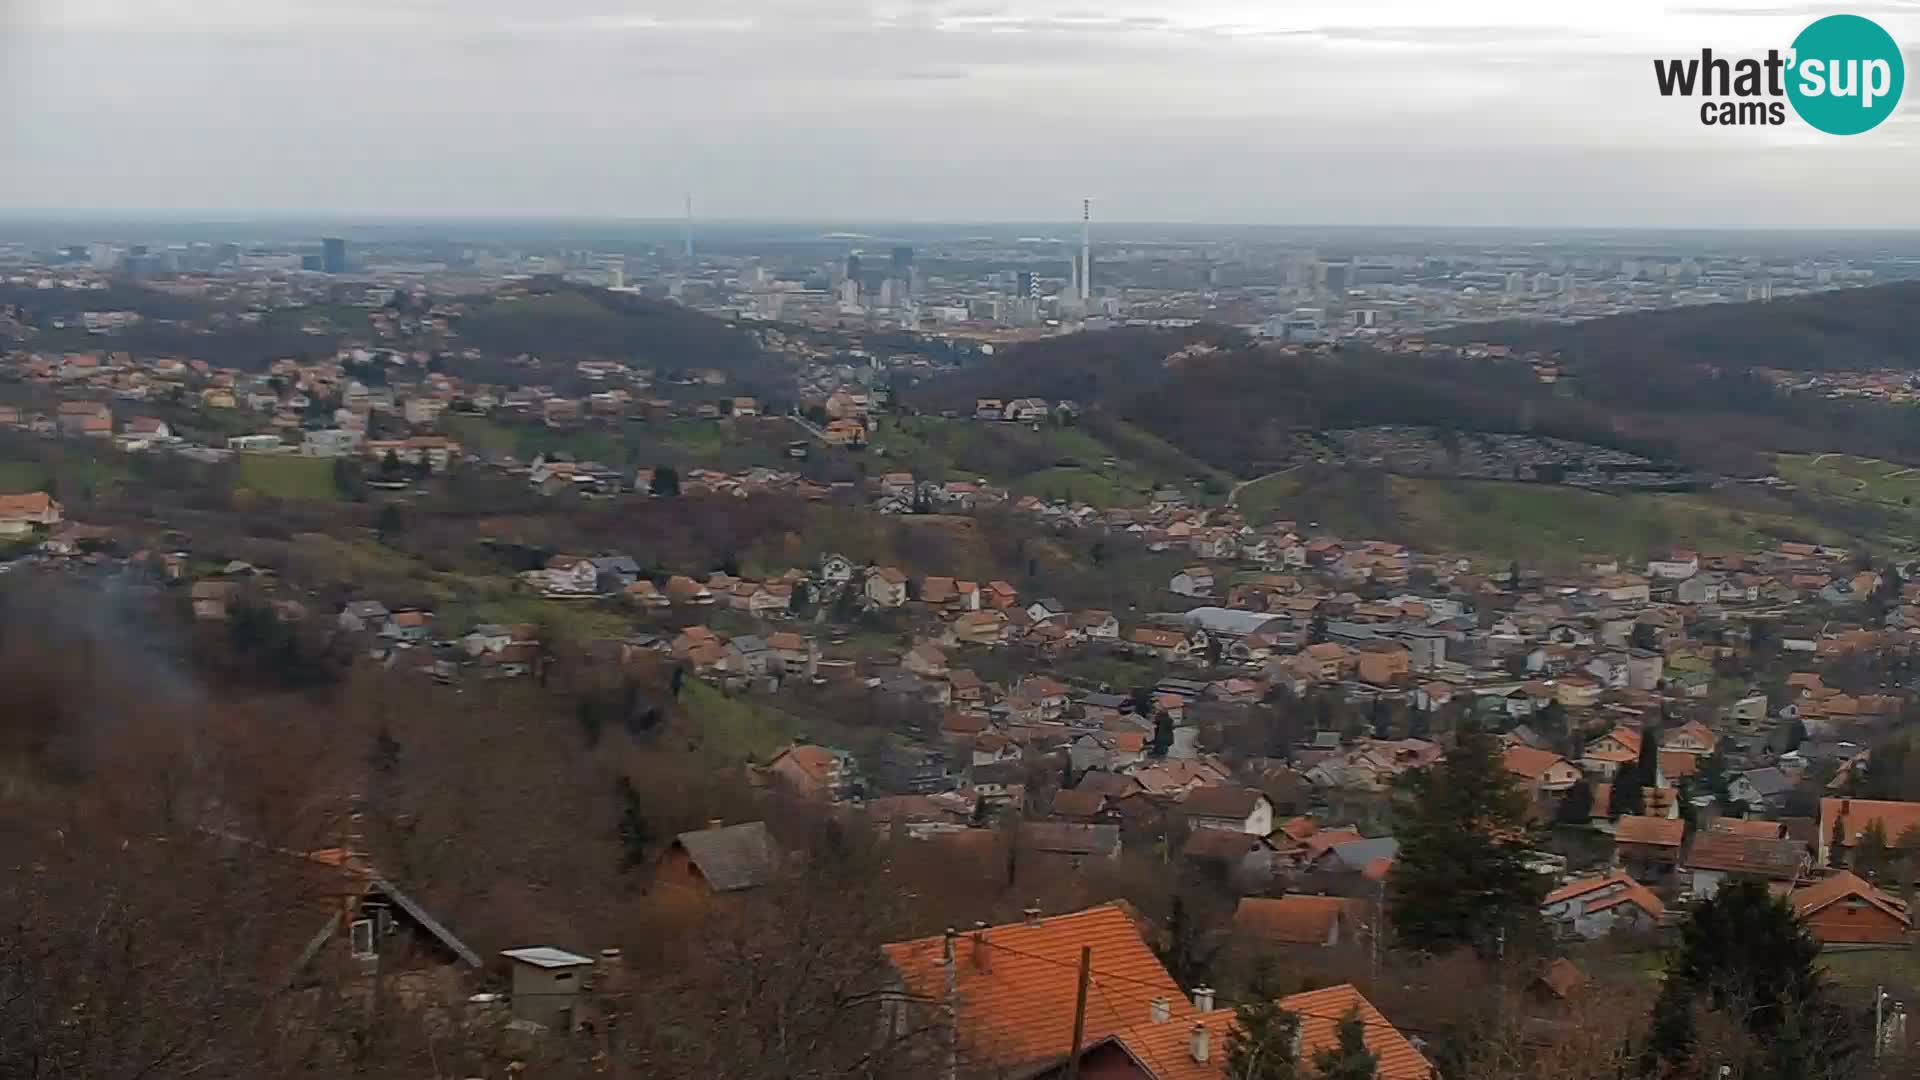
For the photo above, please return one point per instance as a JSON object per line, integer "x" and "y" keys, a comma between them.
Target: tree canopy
{"x": 1462, "y": 876}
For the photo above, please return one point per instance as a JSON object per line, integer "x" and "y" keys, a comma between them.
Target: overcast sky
{"x": 1529, "y": 112}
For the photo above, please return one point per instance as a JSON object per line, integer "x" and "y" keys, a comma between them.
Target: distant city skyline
{"x": 1366, "y": 112}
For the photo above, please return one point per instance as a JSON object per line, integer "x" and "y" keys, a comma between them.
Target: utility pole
{"x": 1879, "y": 1020}
{"x": 1379, "y": 917}
{"x": 1080, "y": 1012}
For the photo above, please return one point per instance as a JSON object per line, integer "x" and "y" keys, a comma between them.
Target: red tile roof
{"x": 1299, "y": 920}
{"x": 1320, "y": 1012}
{"x": 1652, "y": 831}
{"x": 1527, "y": 762}
{"x": 1016, "y": 993}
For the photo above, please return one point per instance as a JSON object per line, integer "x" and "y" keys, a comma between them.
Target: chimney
{"x": 1203, "y": 998}
{"x": 1032, "y": 916}
{"x": 1846, "y": 807}
{"x": 1161, "y": 1011}
{"x": 946, "y": 947}
{"x": 982, "y": 959}
{"x": 1199, "y": 1043}
{"x": 716, "y": 823}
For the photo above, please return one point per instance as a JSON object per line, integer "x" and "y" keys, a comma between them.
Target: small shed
{"x": 546, "y": 985}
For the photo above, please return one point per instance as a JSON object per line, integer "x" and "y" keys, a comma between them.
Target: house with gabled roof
{"x": 720, "y": 859}
{"x": 1228, "y": 806}
{"x": 1841, "y": 909}
{"x": 1844, "y": 821}
{"x": 1717, "y": 855}
{"x": 1648, "y": 847}
{"x": 1295, "y": 919}
{"x": 1009, "y": 995}
{"x": 1593, "y": 907}
{"x": 1540, "y": 773}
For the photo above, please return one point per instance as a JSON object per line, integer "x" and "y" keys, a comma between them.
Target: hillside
{"x": 562, "y": 322}
{"x": 1671, "y": 385}
{"x": 1850, "y": 329}
{"x": 1241, "y": 407}
{"x": 1541, "y": 524}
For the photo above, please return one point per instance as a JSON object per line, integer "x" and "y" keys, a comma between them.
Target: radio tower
{"x": 1086, "y": 249}
{"x": 686, "y": 234}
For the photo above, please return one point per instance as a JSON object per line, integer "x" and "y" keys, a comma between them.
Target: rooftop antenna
{"x": 686, "y": 234}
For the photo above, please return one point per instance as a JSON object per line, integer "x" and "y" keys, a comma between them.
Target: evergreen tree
{"x": 1632, "y": 780}
{"x": 1348, "y": 1058}
{"x": 389, "y": 523}
{"x": 1672, "y": 1037}
{"x": 635, "y": 834}
{"x": 1317, "y": 630}
{"x": 1871, "y": 856}
{"x": 1744, "y": 953}
{"x": 1743, "y": 949}
{"x": 390, "y": 465}
{"x": 1142, "y": 697}
{"x": 1462, "y": 876}
{"x": 1576, "y": 807}
{"x": 1551, "y": 720}
{"x": 1162, "y": 734}
{"x": 1381, "y": 718}
{"x": 1260, "y": 1047}
{"x": 666, "y": 481}
{"x": 1419, "y": 724}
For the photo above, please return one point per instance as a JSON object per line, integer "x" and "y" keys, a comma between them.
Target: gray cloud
{"x": 920, "y": 109}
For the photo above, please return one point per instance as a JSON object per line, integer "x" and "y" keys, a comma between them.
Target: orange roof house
{"x": 1015, "y": 985}
{"x": 1846, "y": 820}
{"x": 1842, "y": 909}
{"x": 1302, "y": 920}
{"x": 1650, "y": 831}
{"x": 1012, "y": 989}
{"x": 1320, "y": 1012}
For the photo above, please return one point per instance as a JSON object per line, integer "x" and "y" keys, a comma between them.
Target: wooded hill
{"x": 1672, "y": 385}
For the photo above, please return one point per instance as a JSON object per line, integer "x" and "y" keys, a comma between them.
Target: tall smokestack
{"x": 1086, "y": 249}
{"x": 686, "y": 234}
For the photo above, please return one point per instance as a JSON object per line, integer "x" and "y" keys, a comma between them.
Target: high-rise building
{"x": 1028, "y": 287}
{"x": 333, "y": 255}
{"x": 902, "y": 270}
{"x": 1086, "y": 250}
{"x": 853, "y": 269}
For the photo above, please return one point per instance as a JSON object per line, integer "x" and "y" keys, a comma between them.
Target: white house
{"x": 1610, "y": 668}
{"x": 570, "y": 574}
{"x": 1193, "y": 581}
{"x": 1717, "y": 856}
{"x": 1677, "y": 566}
{"x": 1225, "y": 806}
{"x": 486, "y": 638}
{"x": 1594, "y": 907}
{"x": 886, "y": 586}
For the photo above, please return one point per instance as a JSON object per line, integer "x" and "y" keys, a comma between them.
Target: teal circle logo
{"x": 1846, "y": 75}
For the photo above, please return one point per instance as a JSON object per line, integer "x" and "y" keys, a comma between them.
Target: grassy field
{"x": 288, "y": 476}
{"x": 1052, "y": 461}
{"x": 732, "y": 728}
{"x": 1844, "y": 476}
{"x": 1077, "y": 485}
{"x": 17, "y": 477}
{"x": 1541, "y": 524}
